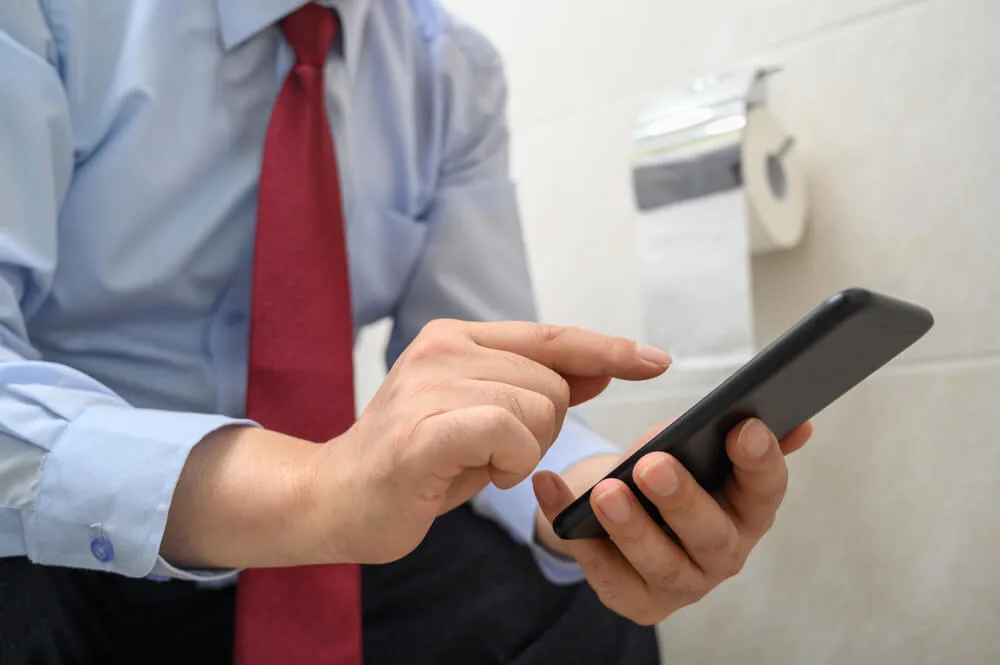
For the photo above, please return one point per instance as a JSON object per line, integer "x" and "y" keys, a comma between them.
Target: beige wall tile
{"x": 886, "y": 548}
{"x": 897, "y": 123}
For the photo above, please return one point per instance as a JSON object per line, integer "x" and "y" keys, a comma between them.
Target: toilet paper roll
{"x": 774, "y": 182}
{"x": 707, "y": 200}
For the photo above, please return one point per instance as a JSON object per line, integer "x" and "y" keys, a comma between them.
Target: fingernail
{"x": 545, "y": 489}
{"x": 615, "y": 505}
{"x": 660, "y": 478}
{"x": 653, "y": 355}
{"x": 755, "y": 439}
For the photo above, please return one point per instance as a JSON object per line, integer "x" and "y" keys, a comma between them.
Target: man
{"x": 201, "y": 203}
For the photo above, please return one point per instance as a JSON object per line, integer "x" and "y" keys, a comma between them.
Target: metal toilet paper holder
{"x": 689, "y": 144}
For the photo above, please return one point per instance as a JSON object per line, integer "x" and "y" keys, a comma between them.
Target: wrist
{"x": 330, "y": 520}
{"x": 245, "y": 499}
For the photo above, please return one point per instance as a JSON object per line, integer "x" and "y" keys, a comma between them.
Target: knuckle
{"x": 590, "y": 561}
{"x": 437, "y": 338}
{"x": 551, "y": 415}
{"x": 437, "y": 327}
{"x": 610, "y": 590}
{"x": 430, "y": 347}
{"x": 555, "y": 388}
{"x": 535, "y": 410}
{"x": 684, "y": 501}
{"x": 496, "y": 419}
{"x": 765, "y": 524}
{"x": 737, "y": 566}
{"x": 759, "y": 495}
{"x": 669, "y": 579}
{"x": 734, "y": 559}
{"x": 563, "y": 394}
{"x": 691, "y": 595}
{"x": 769, "y": 487}
{"x": 613, "y": 347}
{"x": 520, "y": 365}
{"x": 545, "y": 412}
{"x": 508, "y": 398}
{"x": 761, "y": 513}
{"x": 618, "y": 349}
{"x": 548, "y": 333}
{"x": 552, "y": 386}
{"x": 775, "y": 490}
{"x": 682, "y": 595}
{"x": 725, "y": 549}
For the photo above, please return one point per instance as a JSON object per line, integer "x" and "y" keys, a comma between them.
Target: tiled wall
{"x": 887, "y": 549}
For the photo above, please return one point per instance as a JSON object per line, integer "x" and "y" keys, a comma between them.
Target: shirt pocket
{"x": 385, "y": 247}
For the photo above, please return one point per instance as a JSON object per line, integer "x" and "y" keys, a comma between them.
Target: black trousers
{"x": 467, "y": 596}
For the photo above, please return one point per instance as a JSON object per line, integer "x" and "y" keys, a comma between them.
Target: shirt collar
{"x": 242, "y": 19}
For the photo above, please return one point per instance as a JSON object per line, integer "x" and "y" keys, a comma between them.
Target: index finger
{"x": 573, "y": 351}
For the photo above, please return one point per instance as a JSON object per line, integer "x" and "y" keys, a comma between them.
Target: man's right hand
{"x": 466, "y": 404}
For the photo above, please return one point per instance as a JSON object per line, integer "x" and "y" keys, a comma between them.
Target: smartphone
{"x": 832, "y": 349}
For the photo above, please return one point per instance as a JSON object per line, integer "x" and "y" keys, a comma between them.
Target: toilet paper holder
{"x": 690, "y": 143}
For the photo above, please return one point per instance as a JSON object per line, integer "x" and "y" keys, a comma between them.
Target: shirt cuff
{"x": 106, "y": 486}
{"x": 515, "y": 508}
{"x": 163, "y": 571}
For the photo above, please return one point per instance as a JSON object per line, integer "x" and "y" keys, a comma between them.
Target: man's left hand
{"x": 639, "y": 572}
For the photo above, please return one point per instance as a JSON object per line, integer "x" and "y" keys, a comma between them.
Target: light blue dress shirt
{"x": 131, "y": 134}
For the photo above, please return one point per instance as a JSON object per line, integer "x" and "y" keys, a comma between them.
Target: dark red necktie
{"x": 301, "y": 351}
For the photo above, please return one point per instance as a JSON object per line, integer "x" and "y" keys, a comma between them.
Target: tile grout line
{"x": 945, "y": 363}
{"x": 843, "y": 25}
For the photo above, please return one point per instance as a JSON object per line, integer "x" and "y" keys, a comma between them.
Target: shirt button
{"x": 102, "y": 549}
{"x": 236, "y": 318}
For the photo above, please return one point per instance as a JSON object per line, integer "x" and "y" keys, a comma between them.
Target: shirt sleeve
{"x": 474, "y": 265}
{"x": 86, "y": 480}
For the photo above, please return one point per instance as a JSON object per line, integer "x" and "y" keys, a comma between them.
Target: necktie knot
{"x": 310, "y": 31}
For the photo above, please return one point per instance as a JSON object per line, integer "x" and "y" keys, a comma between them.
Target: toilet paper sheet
{"x": 696, "y": 280}
{"x": 695, "y": 253}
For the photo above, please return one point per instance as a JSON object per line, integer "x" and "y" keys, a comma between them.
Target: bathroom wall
{"x": 887, "y": 548}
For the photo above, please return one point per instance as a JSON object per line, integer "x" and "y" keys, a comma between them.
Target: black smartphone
{"x": 835, "y": 347}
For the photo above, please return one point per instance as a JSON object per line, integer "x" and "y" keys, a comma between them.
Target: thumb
{"x": 552, "y": 493}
